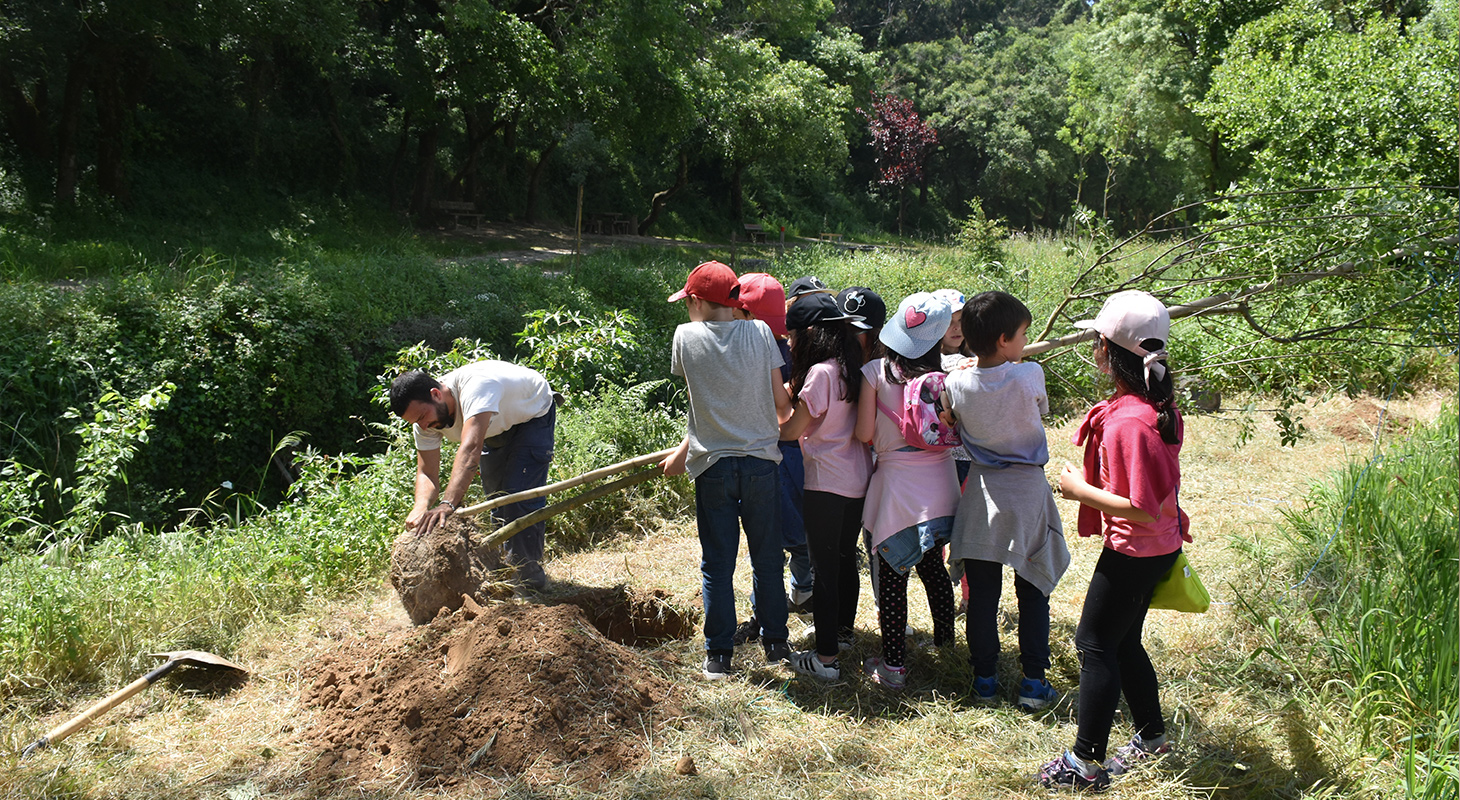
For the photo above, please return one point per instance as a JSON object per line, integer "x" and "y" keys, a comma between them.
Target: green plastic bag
{"x": 1181, "y": 589}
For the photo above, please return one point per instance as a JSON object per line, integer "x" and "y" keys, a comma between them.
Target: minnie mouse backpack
{"x": 917, "y": 420}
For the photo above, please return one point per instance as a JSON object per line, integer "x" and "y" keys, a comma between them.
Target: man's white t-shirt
{"x": 515, "y": 394}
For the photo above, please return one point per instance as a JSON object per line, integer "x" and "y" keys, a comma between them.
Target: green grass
{"x": 1362, "y": 607}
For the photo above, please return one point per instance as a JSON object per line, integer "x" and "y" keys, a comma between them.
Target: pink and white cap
{"x": 1131, "y": 317}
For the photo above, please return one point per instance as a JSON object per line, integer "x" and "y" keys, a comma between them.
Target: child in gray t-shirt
{"x": 1007, "y": 514}
{"x": 736, "y": 404}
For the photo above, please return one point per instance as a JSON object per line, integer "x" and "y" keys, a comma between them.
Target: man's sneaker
{"x": 776, "y": 652}
{"x": 886, "y": 676}
{"x": 1132, "y": 754}
{"x": 807, "y": 662}
{"x": 717, "y": 666}
{"x": 799, "y": 602}
{"x": 745, "y": 632}
{"x": 1066, "y": 773}
{"x": 986, "y": 690}
{"x": 1036, "y": 694}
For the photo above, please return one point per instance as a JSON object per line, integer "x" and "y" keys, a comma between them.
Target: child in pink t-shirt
{"x": 1127, "y": 491}
{"x": 826, "y": 363}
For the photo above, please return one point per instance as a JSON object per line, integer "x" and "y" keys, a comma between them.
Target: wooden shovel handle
{"x": 102, "y": 706}
{"x": 543, "y": 491}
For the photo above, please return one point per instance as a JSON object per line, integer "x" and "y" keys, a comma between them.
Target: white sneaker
{"x": 807, "y": 662}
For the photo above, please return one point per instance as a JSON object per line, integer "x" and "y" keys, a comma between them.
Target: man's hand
{"x": 425, "y": 520}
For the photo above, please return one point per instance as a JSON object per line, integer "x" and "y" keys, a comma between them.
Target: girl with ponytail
{"x": 1127, "y": 493}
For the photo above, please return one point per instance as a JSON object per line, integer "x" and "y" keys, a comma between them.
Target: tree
{"x": 903, "y": 141}
{"x": 997, "y": 102}
{"x": 756, "y": 108}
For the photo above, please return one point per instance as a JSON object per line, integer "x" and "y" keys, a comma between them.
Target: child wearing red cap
{"x": 737, "y": 402}
{"x": 765, "y": 299}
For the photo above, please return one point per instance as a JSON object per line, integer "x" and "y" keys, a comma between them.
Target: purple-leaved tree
{"x": 903, "y": 141}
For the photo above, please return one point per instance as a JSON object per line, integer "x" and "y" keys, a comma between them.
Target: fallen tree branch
{"x": 1216, "y": 303}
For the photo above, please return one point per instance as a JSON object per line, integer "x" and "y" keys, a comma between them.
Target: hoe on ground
{"x": 175, "y": 659}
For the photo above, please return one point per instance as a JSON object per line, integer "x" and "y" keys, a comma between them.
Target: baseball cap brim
{"x": 679, "y": 295}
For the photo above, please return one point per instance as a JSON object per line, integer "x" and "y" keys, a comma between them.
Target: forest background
{"x": 219, "y": 237}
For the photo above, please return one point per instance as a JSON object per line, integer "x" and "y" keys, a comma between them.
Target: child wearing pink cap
{"x": 1127, "y": 493}
{"x": 765, "y": 299}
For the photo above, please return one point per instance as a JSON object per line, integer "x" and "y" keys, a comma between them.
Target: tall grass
{"x": 1369, "y": 624}
{"x": 78, "y": 613}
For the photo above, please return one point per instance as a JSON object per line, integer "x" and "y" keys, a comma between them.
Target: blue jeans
{"x": 792, "y": 474}
{"x": 515, "y": 461}
{"x": 734, "y": 491}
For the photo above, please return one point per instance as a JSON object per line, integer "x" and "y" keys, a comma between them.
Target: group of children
{"x": 788, "y": 388}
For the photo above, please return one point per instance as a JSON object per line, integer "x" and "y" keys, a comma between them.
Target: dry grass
{"x": 766, "y": 734}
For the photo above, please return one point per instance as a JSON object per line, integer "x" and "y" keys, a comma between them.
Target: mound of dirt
{"x": 435, "y": 571}
{"x": 1360, "y": 423}
{"x": 513, "y": 689}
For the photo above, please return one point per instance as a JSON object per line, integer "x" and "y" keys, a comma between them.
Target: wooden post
{"x": 578, "y": 245}
{"x": 543, "y": 491}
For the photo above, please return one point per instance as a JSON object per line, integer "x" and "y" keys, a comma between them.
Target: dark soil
{"x": 1359, "y": 423}
{"x": 435, "y": 571}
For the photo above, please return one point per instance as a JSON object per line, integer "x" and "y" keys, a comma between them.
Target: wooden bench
{"x": 834, "y": 238}
{"x": 755, "y": 233}
{"x": 459, "y": 210}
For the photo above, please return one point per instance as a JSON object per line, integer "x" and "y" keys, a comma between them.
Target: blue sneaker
{"x": 986, "y": 690}
{"x": 1036, "y": 694}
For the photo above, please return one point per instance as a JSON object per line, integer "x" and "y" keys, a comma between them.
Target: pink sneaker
{"x": 887, "y": 676}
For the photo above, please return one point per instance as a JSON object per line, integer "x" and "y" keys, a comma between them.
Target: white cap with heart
{"x": 919, "y": 324}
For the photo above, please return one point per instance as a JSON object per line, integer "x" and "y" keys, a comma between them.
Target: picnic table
{"x": 459, "y": 210}
{"x": 609, "y": 223}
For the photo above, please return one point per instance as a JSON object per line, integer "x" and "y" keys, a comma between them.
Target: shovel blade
{"x": 199, "y": 658}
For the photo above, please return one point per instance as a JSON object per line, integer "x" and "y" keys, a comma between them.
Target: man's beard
{"x": 444, "y": 417}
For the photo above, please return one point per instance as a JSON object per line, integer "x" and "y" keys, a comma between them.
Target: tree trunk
{"x": 1214, "y": 152}
{"x": 260, "y": 73}
{"x": 425, "y": 168}
{"x": 396, "y": 161}
{"x": 24, "y": 116}
{"x": 68, "y": 170}
{"x": 533, "y": 181}
{"x": 737, "y": 197}
{"x": 661, "y": 199}
{"x": 901, "y": 206}
{"x": 111, "y": 116}
{"x": 345, "y": 158}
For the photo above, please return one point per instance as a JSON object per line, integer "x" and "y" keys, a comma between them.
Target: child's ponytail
{"x": 1131, "y": 376}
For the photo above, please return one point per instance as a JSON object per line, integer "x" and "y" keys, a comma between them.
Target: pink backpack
{"x": 922, "y": 399}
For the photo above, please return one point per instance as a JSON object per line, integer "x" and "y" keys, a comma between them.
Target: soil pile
{"x": 435, "y": 571}
{"x": 517, "y": 689}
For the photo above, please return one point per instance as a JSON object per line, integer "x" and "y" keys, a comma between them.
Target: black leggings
{"x": 832, "y": 525}
{"x": 1112, "y": 659}
{"x": 892, "y": 604}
